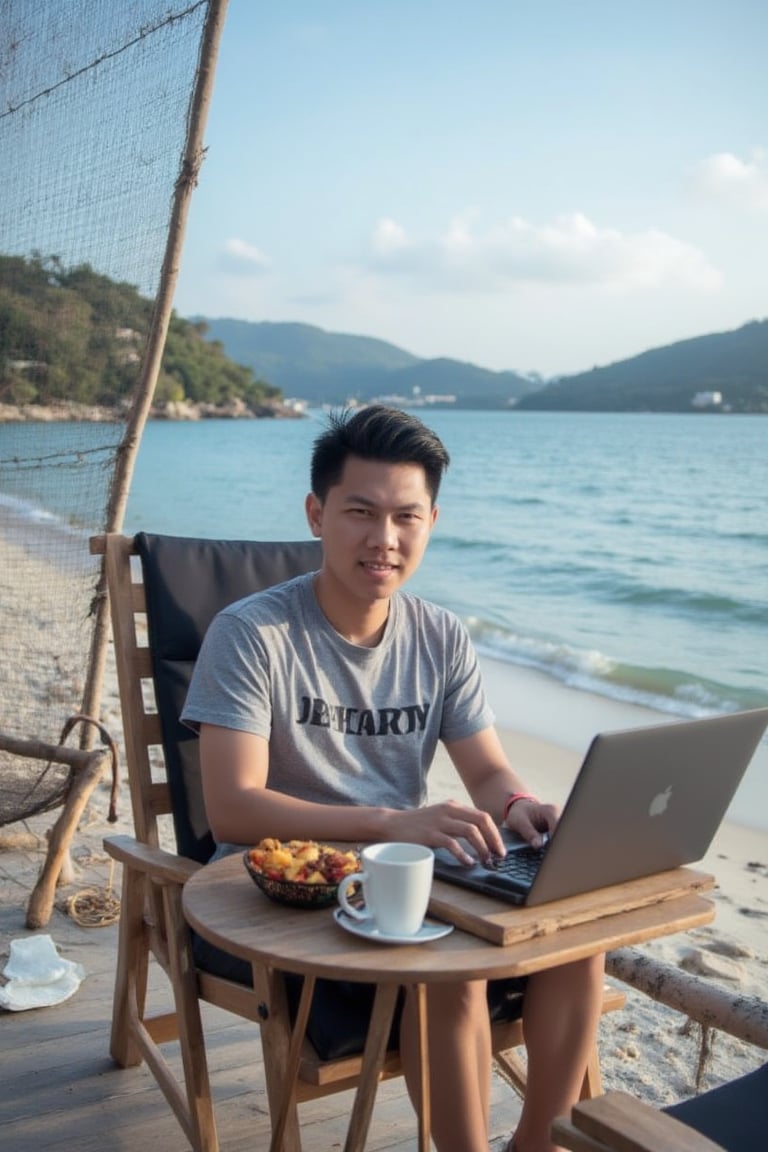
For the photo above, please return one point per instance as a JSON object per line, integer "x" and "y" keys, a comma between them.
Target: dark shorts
{"x": 338, "y": 1018}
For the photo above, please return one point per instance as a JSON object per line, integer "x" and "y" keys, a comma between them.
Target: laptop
{"x": 645, "y": 800}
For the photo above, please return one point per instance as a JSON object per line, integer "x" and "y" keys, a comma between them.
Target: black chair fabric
{"x": 734, "y": 1115}
{"x": 187, "y": 581}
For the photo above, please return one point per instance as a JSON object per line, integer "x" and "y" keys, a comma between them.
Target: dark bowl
{"x": 292, "y": 892}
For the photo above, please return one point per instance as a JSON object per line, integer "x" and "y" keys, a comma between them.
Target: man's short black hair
{"x": 376, "y": 432}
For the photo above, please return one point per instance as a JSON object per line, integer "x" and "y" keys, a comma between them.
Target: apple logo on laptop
{"x": 659, "y": 803}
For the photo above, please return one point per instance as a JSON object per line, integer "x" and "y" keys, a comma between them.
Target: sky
{"x": 534, "y": 185}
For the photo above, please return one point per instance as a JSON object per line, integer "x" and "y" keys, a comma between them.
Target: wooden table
{"x": 225, "y": 907}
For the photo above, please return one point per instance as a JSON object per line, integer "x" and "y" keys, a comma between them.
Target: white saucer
{"x": 368, "y": 930}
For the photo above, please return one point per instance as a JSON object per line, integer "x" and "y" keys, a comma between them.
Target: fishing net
{"x": 95, "y": 99}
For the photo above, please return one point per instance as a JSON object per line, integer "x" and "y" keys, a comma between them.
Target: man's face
{"x": 375, "y": 525}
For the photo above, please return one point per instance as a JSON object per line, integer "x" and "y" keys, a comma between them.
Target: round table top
{"x": 224, "y": 905}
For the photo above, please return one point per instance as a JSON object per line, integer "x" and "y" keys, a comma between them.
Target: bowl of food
{"x": 301, "y": 873}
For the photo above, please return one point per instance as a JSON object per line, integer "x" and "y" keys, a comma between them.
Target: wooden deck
{"x": 61, "y": 1091}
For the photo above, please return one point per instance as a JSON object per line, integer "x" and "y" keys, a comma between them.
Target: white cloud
{"x": 569, "y": 250}
{"x": 743, "y": 183}
{"x": 243, "y": 258}
{"x": 388, "y": 237}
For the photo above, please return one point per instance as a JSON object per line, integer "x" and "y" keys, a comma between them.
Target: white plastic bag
{"x": 37, "y": 976}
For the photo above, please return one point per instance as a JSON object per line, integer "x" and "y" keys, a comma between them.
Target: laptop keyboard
{"x": 522, "y": 864}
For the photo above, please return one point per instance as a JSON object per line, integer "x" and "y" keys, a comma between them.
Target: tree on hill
{"x": 72, "y": 334}
{"x": 731, "y": 364}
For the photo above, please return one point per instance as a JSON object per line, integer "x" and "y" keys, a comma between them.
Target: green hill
{"x": 674, "y": 378}
{"x": 330, "y": 368}
{"x": 325, "y": 367}
{"x": 287, "y": 348}
{"x": 70, "y": 334}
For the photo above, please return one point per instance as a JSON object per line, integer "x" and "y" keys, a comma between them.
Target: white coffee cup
{"x": 396, "y": 880}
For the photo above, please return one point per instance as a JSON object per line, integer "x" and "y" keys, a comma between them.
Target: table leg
{"x": 292, "y": 1064}
{"x": 373, "y": 1058}
{"x": 425, "y": 1112}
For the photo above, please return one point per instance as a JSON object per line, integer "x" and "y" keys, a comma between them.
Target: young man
{"x": 320, "y": 704}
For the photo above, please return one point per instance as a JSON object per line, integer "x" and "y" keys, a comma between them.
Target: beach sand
{"x": 646, "y": 1048}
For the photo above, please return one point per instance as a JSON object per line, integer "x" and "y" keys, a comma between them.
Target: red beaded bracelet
{"x": 513, "y": 799}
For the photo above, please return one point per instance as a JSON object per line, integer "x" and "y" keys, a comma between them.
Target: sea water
{"x": 624, "y": 555}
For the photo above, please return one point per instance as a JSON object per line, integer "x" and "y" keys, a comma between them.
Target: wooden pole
{"x": 744, "y": 1017}
{"x": 84, "y": 780}
{"x": 87, "y": 769}
{"x": 38, "y": 750}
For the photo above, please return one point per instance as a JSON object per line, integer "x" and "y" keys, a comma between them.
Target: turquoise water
{"x": 626, "y": 555}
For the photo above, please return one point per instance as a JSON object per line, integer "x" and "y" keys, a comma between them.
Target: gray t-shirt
{"x": 345, "y": 724}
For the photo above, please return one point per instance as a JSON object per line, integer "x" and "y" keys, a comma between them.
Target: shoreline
{"x": 528, "y": 703}
{"x": 72, "y": 412}
{"x": 669, "y": 693}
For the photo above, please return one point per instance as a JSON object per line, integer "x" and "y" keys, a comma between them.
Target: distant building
{"x": 27, "y": 367}
{"x": 707, "y": 400}
{"x": 296, "y": 405}
{"x": 416, "y": 400}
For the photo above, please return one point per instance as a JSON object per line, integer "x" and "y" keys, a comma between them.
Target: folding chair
{"x": 172, "y": 595}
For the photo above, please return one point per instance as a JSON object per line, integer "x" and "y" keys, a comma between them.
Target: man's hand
{"x": 444, "y": 825}
{"x": 532, "y": 820}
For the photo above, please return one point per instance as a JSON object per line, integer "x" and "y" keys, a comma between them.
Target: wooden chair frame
{"x": 725, "y": 1118}
{"x": 152, "y": 924}
{"x": 618, "y": 1122}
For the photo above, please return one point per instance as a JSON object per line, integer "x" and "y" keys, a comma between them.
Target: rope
{"x": 95, "y": 907}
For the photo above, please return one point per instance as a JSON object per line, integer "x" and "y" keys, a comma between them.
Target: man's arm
{"x": 242, "y": 810}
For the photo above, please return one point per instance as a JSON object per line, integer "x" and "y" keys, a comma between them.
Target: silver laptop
{"x": 645, "y": 800}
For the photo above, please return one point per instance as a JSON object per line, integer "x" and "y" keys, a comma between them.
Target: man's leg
{"x": 560, "y": 1017}
{"x": 459, "y": 1040}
